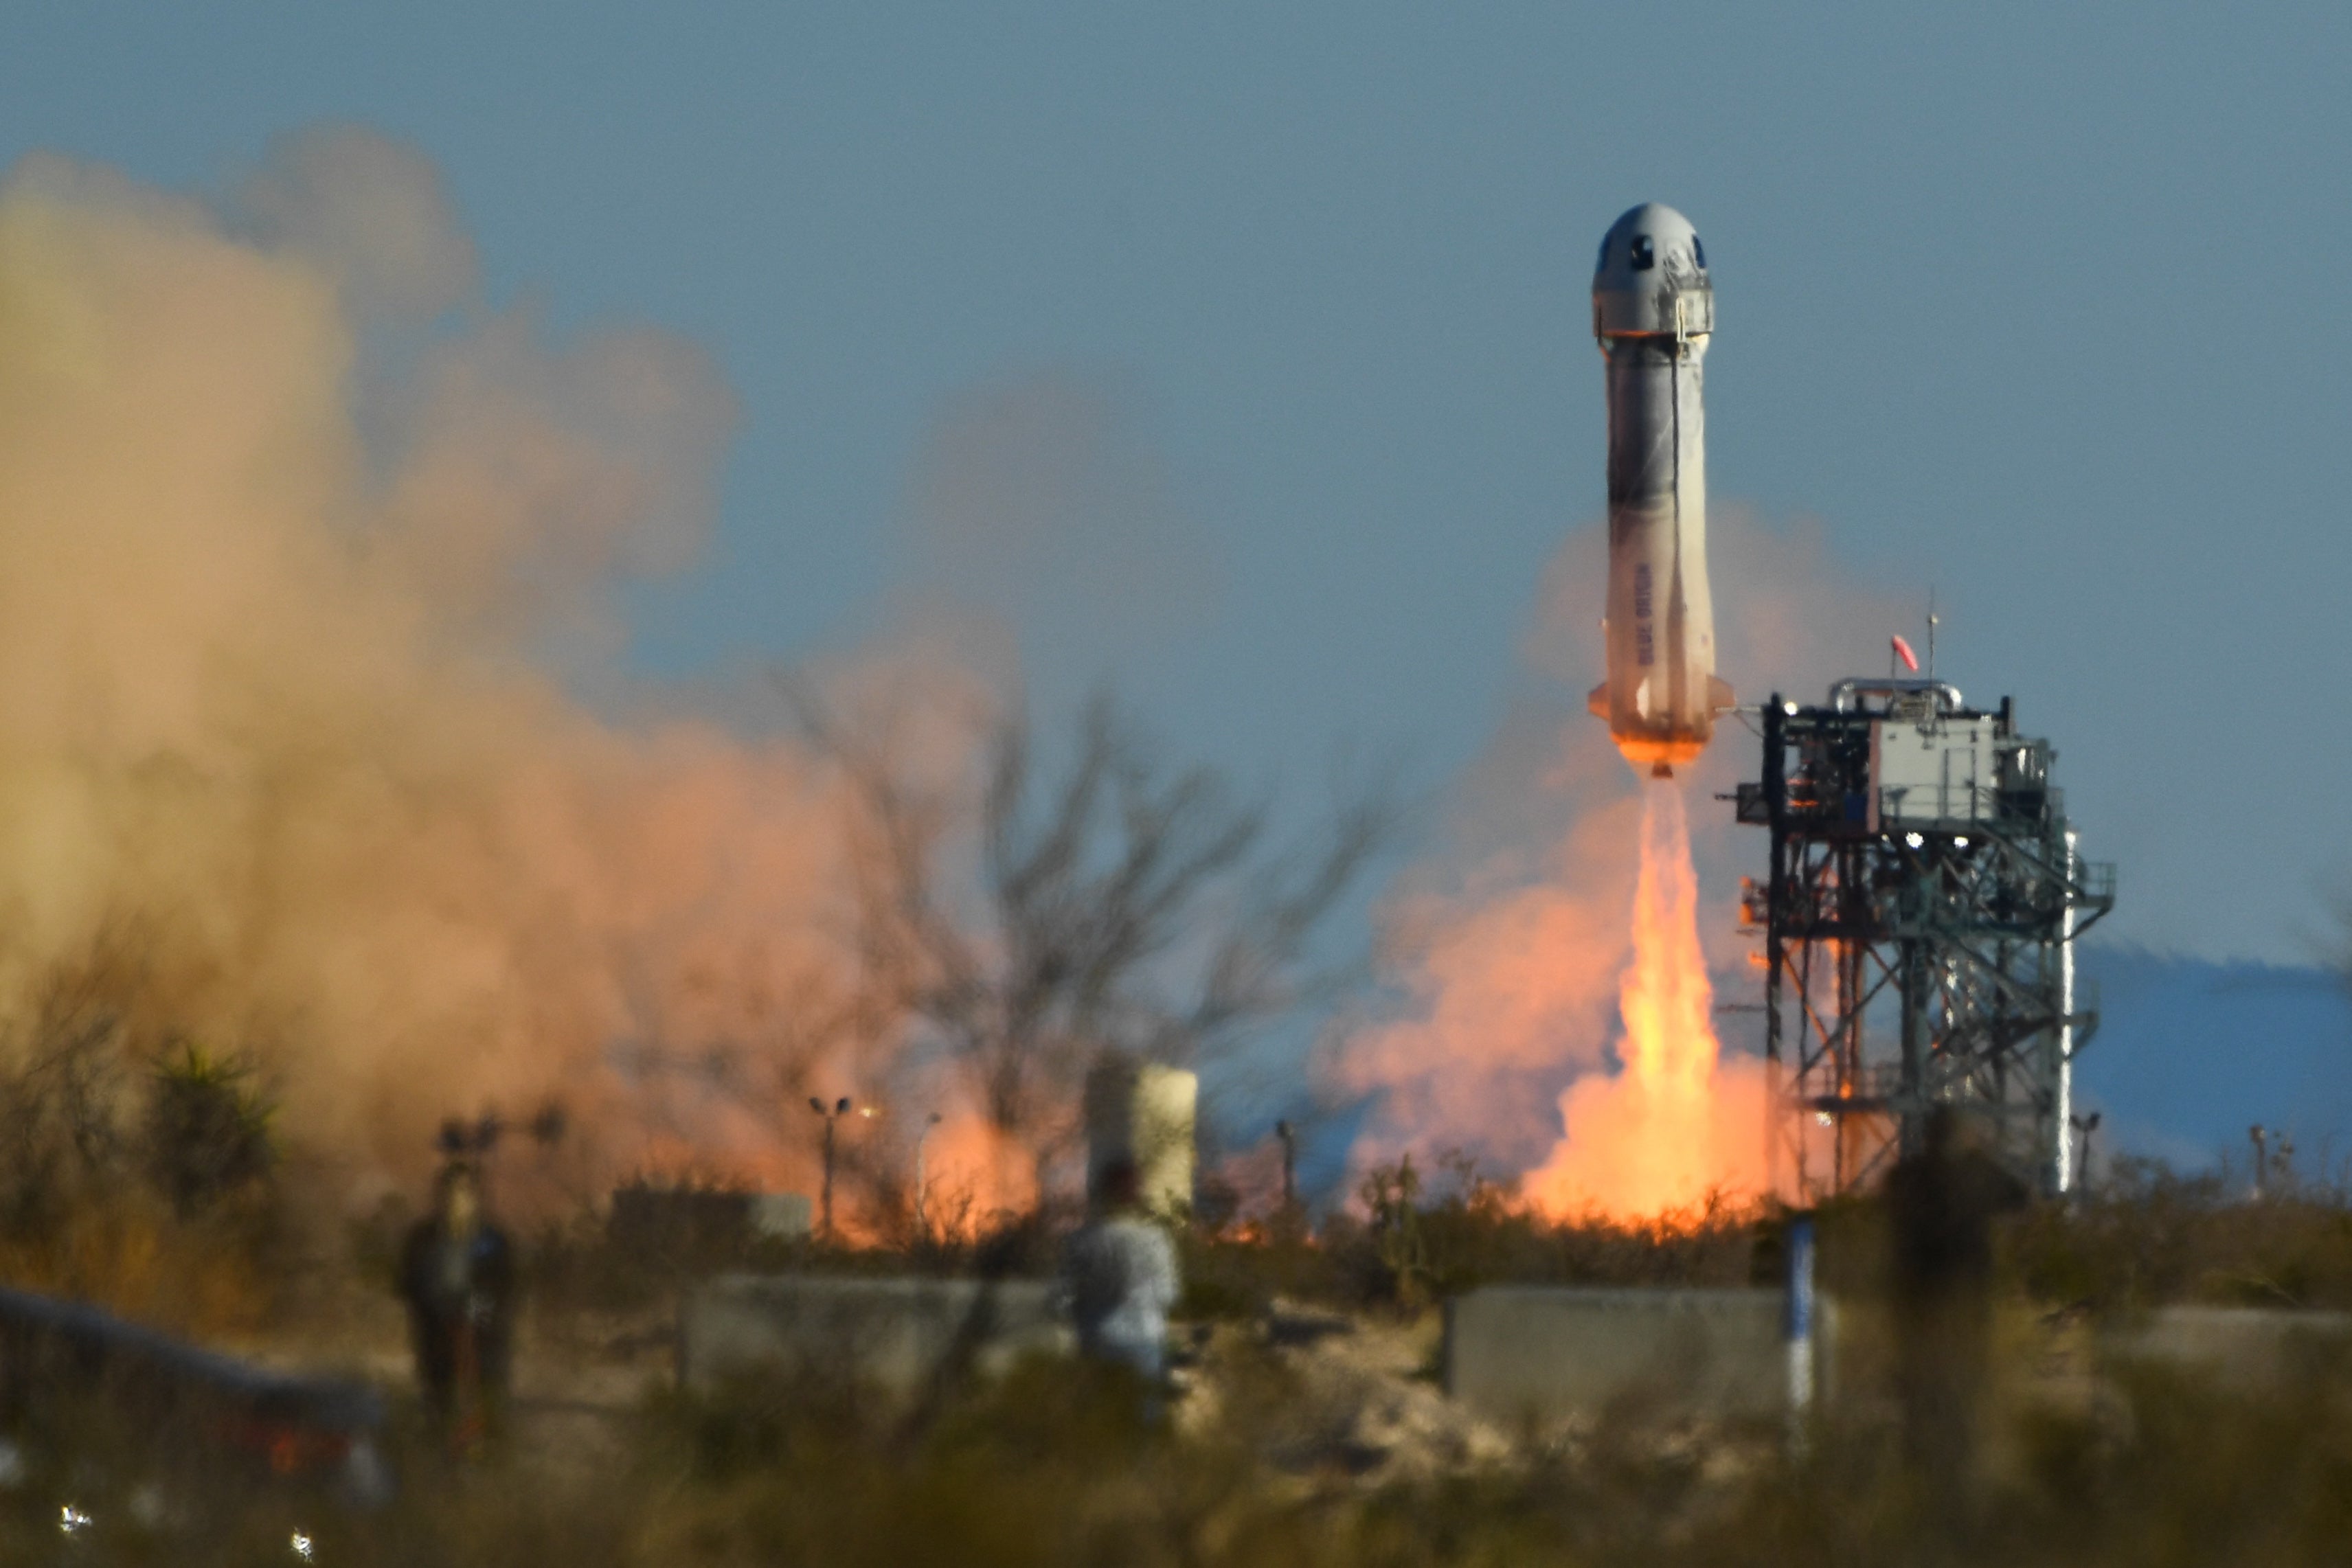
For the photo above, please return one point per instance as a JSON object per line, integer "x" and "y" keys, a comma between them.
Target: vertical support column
{"x": 2064, "y": 1042}
{"x": 1799, "y": 1328}
{"x": 1781, "y": 1120}
{"x": 1853, "y": 921}
{"x": 1912, "y": 1113}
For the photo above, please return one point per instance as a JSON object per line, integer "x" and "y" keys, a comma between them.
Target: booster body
{"x": 1654, "y": 314}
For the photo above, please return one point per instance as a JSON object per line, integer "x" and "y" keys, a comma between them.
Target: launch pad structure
{"x": 1919, "y": 922}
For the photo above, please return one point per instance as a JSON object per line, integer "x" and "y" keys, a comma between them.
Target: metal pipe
{"x": 839, "y": 1108}
{"x": 1798, "y": 1327}
{"x": 922, "y": 1180}
{"x": 1776, "y": 1111}
{"x": 2086, "y": 1125}
{"x": 2065, "y": 1042}
{"x": 1845, "y": 695}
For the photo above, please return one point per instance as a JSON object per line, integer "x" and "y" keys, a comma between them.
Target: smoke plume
{"x": 296, "y": 536}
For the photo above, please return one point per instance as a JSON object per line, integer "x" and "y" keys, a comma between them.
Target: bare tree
{"x": 65, "y": 1071}
{"x": 1119, "y": 906}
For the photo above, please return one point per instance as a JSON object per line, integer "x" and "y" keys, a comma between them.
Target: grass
{"x": 2154, "y": 1236}
{"x": 1052, "y": 1466}
{"x": 1048, "y": 1469}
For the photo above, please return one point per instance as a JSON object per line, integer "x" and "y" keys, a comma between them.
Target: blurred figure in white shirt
{"x": 1120, "y": 1278}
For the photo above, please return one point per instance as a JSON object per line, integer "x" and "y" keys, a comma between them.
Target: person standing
{"x": 1120, "y": 1278}
{"x": 1942, "y": 1201}
{"x": 456, "y": 1277}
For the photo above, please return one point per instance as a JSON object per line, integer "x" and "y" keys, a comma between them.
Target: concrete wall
{"x": 1542, "y": 1353}
{"x": 1515, "y": 1352}
{"x": 781, "y": 1216}
{"x": 891, "y": 1332}
{"x": 683, "y": 1223}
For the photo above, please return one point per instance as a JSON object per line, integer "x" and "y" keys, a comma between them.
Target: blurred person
{"x": 457, "y": 1276}
{"x": 1941, "y": 1201}
{"x": 1119, "y": 1278}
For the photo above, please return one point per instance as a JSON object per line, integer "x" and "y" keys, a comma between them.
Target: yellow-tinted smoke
{"x": 278, "y": 618}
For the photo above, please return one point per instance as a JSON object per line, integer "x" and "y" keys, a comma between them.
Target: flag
{"x": 1903, "y": 651}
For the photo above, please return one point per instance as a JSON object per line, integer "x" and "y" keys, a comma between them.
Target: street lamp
{"x": 1289, "y": 1163}
{"x": 2086, "y": 1125}
{"x": 922, "y": 1217}
{"x": 839, "y": 1108}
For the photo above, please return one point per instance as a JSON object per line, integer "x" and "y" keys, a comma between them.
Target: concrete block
{"x": 1545, "y": 1353}
{"x": 678, "y": 1222}
{"x": 891, "y": 1332}
{"x": 695, "y": 1222}
{"x": 781, "y": 1216}
{"x": 2246, "y": 1345}
{"x": 1143, "y": 1113}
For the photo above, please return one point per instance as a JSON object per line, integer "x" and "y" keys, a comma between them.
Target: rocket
{"x": 1653, "y": 313}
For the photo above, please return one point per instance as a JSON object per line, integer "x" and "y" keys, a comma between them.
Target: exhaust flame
{"x": 1678, "y": 1124}
{"x": 1512, "y": 969}
{"x": 975, "y": 1176}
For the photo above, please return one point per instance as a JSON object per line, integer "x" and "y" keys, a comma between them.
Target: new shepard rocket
{"x": 1652, "y": 311}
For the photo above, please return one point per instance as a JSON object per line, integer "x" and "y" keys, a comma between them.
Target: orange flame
{"x": 975, "y": 1176}
{"x": 1678, "y": 1124}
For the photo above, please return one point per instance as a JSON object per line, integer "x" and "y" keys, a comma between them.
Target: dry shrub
{"x": 2153, "y": 1236}
{"x": 137, "y": 1260}
{"x": 1416, "y": 1241}
{"x": 137, "y": 1168}
{"x": 1056, "y": 1465}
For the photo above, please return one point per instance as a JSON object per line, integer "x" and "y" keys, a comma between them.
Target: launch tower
{"x": 1919, "y": 922}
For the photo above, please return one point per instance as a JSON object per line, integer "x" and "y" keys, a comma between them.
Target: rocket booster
{"x": 1653, "y": 312}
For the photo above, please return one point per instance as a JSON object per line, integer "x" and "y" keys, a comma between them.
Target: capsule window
{"x": 1644, "y": 258}
{"x": 1699, "y": 251}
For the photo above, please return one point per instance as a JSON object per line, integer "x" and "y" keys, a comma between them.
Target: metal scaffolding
{"x": 1918, "y": 923}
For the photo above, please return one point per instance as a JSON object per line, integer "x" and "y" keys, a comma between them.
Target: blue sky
{"x": 2032, "y": 305}
{"x": 2190, "y": 1054}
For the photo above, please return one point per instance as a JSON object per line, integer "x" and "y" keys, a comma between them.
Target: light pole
{"x": 922, "y": 1186}
{"x": 1289, "y": 1163}
{"x": 2086, "y": 1125}
{"x": 839, "y": 1108}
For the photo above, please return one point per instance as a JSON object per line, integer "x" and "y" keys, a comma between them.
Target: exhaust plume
{"x": 1552, "y": 969}
{"x": 1676, "y": 1125}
